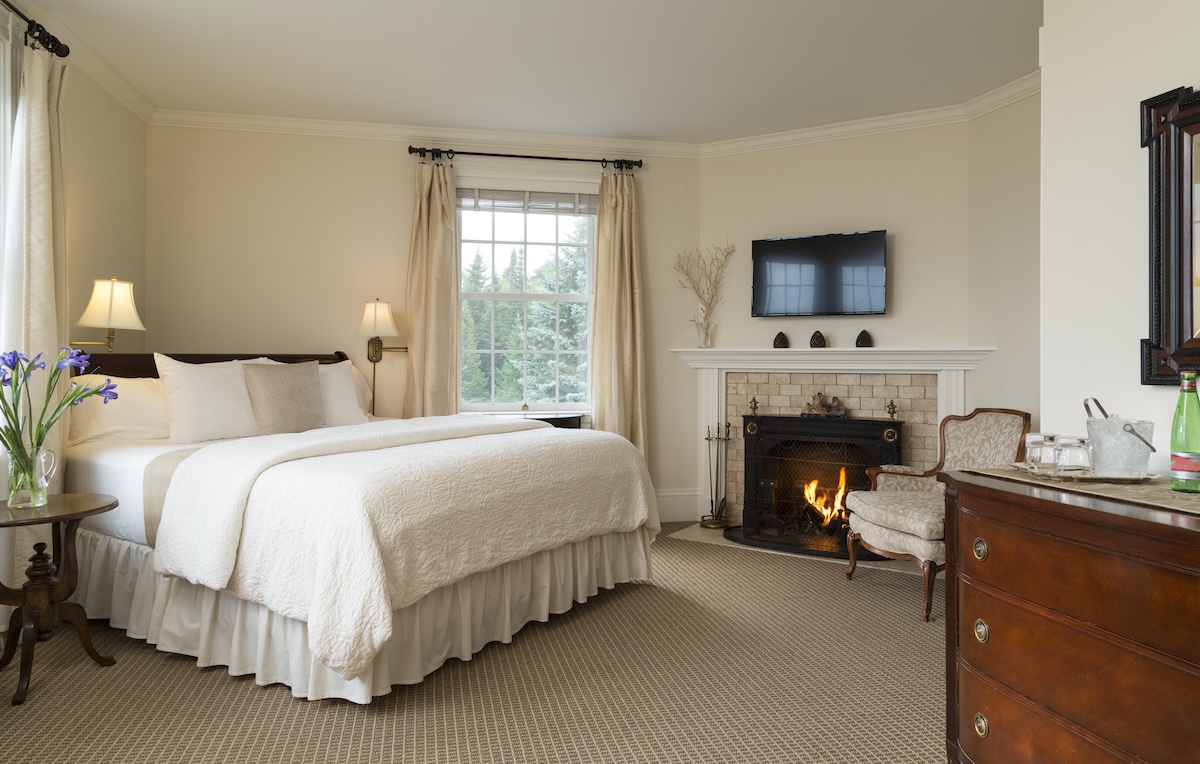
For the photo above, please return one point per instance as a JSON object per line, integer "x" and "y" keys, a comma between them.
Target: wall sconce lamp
{"x": 111, "y": 307}
{"x": 377, "y": 323}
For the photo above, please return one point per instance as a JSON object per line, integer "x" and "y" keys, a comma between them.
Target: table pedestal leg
{"x": 28, "y": 639}
{"x": 14, "y": 636}
{"x": 77, "y": 616}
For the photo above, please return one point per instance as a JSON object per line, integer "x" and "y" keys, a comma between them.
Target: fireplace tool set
{"x": 716, "y": 478}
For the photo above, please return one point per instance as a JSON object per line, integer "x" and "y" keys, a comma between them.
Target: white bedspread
{"x": 340, "y": 540}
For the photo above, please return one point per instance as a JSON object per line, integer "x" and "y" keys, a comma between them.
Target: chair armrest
{"x": 898, "y": 469}
{"x": 921, "y": 483}
{"x": 899, "y": 477}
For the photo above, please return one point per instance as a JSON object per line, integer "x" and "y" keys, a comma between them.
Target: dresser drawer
{"x": 1154, "y": 604}
{"x": 996, "y": 728}
{"x": 1124, "y": 696}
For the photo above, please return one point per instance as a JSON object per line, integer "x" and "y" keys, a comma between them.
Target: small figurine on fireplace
{"x": 821, "y": 406}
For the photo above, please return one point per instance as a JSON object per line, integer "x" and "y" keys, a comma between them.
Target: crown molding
{"x": 464, "y": 139}
{"x": 1029, "y": 85}
{"x": 86, "y": 59}
{"x": 504, "y": 141}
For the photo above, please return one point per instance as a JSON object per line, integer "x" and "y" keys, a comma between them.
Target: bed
{"x": 344, "y": 558}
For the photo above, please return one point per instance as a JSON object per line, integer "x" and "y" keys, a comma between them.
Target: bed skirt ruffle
{"x": 117, "y": 581}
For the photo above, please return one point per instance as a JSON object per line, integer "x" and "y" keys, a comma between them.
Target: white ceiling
{"x": 683, "y": 71}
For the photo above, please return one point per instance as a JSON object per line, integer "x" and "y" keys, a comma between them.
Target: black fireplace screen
{"x": 786, "y": 455}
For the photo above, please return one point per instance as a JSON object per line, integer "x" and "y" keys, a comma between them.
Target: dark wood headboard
{"x": 142, "y": 364}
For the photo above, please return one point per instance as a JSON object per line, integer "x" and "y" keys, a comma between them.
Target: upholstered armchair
{"x": 903, "y": 516}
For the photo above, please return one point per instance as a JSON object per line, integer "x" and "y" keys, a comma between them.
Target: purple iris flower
{"x": 34, "y": 365}
{"x": 9, "y": 359}
{"x": 73, "y": 359}
{"x": 108, "y": 392}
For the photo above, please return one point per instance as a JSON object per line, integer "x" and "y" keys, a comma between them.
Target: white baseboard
{"x": 680, "y": 505}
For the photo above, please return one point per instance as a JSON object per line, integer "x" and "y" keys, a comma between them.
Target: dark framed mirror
{"x": 1171, "y": 131}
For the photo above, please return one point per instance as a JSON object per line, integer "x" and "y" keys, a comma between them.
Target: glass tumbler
{"x": 1039, "y": 453}
{"x": 1071, "y": 456}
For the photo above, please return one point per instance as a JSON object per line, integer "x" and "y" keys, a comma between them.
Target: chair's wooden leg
{"x": 929, "y": 568}
{"x": 852, "y": 549}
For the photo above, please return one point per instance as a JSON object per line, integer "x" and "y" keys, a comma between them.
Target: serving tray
{"x": 1085, "y": 477}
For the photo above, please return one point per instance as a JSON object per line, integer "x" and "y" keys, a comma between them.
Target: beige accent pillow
{"x": 286, "y": 397}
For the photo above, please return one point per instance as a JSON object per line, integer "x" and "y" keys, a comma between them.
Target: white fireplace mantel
{"x": 835, "y": 360}
{"x": 950, "y": 365}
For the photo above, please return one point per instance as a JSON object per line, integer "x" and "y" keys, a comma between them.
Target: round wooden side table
{"x": 39, "y": 604}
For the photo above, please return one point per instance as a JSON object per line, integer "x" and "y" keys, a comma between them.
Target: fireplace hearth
{"x": 798, "y": 470}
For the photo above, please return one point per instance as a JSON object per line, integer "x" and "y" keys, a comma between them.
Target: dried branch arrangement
{"x": 703, "y": 275}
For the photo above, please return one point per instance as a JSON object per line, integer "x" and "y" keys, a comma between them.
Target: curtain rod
{"x": 39, "y": 34}
{"x": 620, "y": 164}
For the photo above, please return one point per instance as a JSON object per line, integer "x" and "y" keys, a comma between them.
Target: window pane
{"x": 541, "y": 387}
{"x": 541, "y": 228}
{"x": 572, "y": 326}
{"x": 539, "y": 264}
{"x": 477, "y": 268}
{"x": 475, "y": 225}
{"x": 510, "y": 325}
{"x": 543, "y": 323}
{"x": 475, "y": 328}
{"x": 510, "y": 226}
{"x": 572, "y": 378}
{"x": 572, "y": 229}
{"x": 572, "y": 270}
{"x": 510, "y": 373}
{"x": 510, "y": 268}
{"x": 476, "y": 378}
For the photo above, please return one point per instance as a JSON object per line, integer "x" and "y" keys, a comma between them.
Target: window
{"x": 526, "y": 294}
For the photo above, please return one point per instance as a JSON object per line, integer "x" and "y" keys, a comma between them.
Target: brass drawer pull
{"x": 981, "y": 725}
{"x": 979, "y": 548}
{"x": 981, "y": 631}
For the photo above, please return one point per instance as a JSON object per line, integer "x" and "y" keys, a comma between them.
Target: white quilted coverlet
{"x": 339, "y": 527}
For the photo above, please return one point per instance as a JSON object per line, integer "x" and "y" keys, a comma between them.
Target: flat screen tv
{"x": 838, "y": 274}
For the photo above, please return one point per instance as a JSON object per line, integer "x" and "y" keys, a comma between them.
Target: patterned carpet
{"x": 729, "y": 655}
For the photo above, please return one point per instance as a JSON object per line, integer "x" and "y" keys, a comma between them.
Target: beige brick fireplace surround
{"x": 926, "y": 385}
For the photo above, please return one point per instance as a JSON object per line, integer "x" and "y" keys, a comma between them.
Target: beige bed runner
{"x": 154, "y": 488}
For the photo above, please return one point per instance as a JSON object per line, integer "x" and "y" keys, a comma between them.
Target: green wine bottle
{"x": 1185, "y": 437}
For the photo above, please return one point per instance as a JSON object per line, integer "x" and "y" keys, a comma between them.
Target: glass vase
{"x": 28, "y": 476}
{"x": 705, "y": 333}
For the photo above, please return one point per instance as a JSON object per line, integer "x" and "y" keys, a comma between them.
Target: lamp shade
{"x": 377, "y": 320}
{"x": 111, "y": 306}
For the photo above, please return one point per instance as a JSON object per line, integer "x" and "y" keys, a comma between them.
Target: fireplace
{"x": 798, "y": 469}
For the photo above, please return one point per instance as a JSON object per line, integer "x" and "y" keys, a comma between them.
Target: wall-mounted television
{"x": 837, "y": 274}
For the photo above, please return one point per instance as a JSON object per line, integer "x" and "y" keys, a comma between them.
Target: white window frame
{"x": 491, "y": 173}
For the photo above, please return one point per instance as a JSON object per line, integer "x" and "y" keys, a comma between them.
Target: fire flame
{"x": 818, "y": 498}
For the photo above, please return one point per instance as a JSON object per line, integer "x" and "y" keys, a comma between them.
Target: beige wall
{"x": 261, "y": 242}
{"x": 1002, "y": 256}
{"x": 912, "y": 183}
{"x": 1100, "y": 60}
{"x": 104, "y": 148}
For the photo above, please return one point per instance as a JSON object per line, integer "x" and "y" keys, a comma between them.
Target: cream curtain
{"x": 33, "y": 262}
{"x": 618, "y": 378}
{"x": 433, "y": 278}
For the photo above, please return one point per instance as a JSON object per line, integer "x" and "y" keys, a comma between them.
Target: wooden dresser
{"x": 1073, "y": 627}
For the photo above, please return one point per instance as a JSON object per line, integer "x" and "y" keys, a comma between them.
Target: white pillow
{"x": 363, "y": 390}
{"x": 339, "y": 394}
{"x": 205, "y": 401}
{"x": 138, "y": 413}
